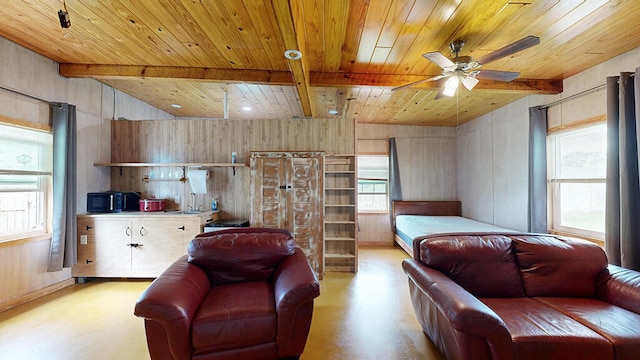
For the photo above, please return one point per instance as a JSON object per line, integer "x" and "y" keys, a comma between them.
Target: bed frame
{"x": 427, "y": 208}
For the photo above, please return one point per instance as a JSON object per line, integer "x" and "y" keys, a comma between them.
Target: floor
{"x": 363, "y": 316}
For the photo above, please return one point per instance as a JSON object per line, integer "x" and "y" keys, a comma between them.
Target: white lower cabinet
{"x": 132, "y": 246}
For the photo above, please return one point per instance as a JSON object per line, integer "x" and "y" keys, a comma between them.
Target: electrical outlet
{"x": 176, "y": 199}
{"x": 83, "y": 239}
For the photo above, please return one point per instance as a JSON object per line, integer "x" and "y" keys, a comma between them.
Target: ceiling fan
{"x": 465, "y": 70}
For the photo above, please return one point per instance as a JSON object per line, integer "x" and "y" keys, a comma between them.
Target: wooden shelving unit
{"x": 340, "y": 213}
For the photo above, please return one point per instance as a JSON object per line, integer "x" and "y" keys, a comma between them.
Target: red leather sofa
{"x": 242, "y": 293}
{"x": 523, "y": 296}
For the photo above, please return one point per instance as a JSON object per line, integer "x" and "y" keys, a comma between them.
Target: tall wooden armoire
{"x": 287, "y": 192}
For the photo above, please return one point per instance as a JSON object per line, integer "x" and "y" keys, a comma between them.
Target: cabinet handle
{"x": 141, "y": 229}
{"x": 133, "y": 245}
{"x": 128, "y": 231}
{"x": 89, "y": 261}
{"x": 181, "y": 228}
{"x": 285, "y": 187}
{"x": 89, "y": 227}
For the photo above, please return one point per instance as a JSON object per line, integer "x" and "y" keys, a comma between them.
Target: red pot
{"x": 152, "y": 204}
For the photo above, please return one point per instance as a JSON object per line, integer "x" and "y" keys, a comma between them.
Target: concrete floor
{"x": 367, "y": 315}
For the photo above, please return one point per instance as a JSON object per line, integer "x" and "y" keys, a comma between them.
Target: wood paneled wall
{"x": 212, "y": 141}
{"x": 427, "y": 159}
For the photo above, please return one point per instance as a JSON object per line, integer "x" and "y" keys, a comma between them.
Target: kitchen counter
{"x": 204, "y": 215}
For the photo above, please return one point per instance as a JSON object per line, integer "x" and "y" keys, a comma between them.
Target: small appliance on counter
{"x": 148, "y": 205}
{"x": 226, "y": 224}
{"x": 112, "y": 201}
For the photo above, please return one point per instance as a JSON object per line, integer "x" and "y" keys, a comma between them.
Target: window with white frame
{"x": 373, "y": 183}
{"x": 25, "y": 181}
{"x": 577, "y": 162}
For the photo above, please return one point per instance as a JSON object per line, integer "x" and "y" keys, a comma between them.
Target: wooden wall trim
{"x": 578, "y": 124}
{"x": 24, "y": 124}
{"x": 35, "y": 294}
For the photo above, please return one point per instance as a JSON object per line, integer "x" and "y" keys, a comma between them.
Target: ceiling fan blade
{"x": 417, "y": 82}
{"x": 497, "y": 75}
{"x": 440, "y": 94}
{"x": 512, "y": 48}
{"x": 438, "y": 59}
{"x": 469, "y": 82}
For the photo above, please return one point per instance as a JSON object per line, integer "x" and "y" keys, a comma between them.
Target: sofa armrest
{"x": 171, "y": 301}
{"x": 466, "y": 313}
{"x": 620, "y": 287}
{"x": 295, "y": 285}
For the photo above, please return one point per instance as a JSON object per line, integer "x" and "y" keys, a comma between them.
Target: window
{"x": 373, "y": 183}
{"x": 577, "y": 171}
{"x": 25, "y": 178}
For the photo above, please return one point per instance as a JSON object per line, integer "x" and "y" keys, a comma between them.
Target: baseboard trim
{"x": 36, "y": 294}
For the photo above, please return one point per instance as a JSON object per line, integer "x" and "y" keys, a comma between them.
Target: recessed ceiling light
{"x": 177, "y": 106}
{"x": 246, "y": 108}
{"x": 293, "y": 54}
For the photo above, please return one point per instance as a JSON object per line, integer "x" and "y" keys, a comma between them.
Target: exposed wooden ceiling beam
{"x": 294, "y": 40}
{"x": 266, "y": 77}
{"x": 271, "y": 77}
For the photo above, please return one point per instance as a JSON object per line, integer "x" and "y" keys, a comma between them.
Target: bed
{"x": 412, "y": 219}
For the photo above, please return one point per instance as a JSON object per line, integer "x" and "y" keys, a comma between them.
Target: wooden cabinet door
{"x": 268, "y": 185}
{"x": 304, "y": 206}
{"x": 110, "y": 243}
{"x": 286, "y": 192}
{"x": 156, "y": 245}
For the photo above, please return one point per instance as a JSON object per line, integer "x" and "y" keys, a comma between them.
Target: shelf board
{"x": 340, "y": 222}
{"x": 340, "y": 239}
{"x": 339, "y": 205}
{"x": 136, "y": 164}
{"x": 338, "y": 172}
{"x": 339, "y": 256}
{"x": 338, "y": 189}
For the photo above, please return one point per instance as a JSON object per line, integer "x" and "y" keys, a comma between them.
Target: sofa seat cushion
{"x": 538, "y": 331}
{"x": 235, "y": 316}
{"x": 620, "y": 326}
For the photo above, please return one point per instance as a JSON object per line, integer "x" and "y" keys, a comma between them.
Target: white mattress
{"x": 412, "y": 226}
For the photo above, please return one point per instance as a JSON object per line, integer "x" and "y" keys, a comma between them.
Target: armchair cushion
{"x": 247, "y": 308}
{"x": 239, "y": 255}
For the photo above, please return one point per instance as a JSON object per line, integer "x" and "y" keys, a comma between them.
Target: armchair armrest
{"x": 295, "y": 286}
{"x": 465, "y": 313}
{"x": 620, "y": 287}
{"x": 172, "y": 300}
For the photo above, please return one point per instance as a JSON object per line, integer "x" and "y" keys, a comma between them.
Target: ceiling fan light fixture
{"x": 451, "y": 85}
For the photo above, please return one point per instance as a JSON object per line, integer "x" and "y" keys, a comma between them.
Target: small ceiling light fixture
{"x": 333, "y": 112}
{"x": 63, "y": 16}
{"x": 293, "y": 54}
{"x": 246, "y": 108}
{"x": 177, "y": 106}
{"x": 65, "y": 22}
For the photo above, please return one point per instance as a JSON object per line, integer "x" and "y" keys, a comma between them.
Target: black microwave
{"x": 112, "y": 201}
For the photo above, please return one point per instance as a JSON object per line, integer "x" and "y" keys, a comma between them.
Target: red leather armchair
{"x": 239, "y": 294}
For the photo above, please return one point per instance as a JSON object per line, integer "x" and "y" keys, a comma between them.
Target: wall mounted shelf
{"x": 182, "y": 165}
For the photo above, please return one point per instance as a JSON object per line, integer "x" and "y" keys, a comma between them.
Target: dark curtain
{"x": 537, "y": 211}
{"x": 63, "y": 252}
{"x": 395, "y": 189}
{"x": 622, "y": 227}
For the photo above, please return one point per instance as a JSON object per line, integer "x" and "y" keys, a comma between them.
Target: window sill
{"x": 24, "y": 240}
{"x": 600, "y": 242}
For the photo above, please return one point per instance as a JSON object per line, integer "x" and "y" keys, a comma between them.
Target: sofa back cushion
{"x": 239, "y": 255}
{"x": 556, "y": 266}
{"x": 482, "y": 264}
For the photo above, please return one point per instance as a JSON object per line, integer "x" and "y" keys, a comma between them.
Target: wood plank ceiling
{"x": 192, "y": 52}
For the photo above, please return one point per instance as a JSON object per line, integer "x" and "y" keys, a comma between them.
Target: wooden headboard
{"x": 427, "y": 208}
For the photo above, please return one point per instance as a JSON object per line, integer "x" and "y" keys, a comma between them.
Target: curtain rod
{"x": 596, "y": 88}
{"x": 557, "y": 102}
{"x": 26, "y": 95}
